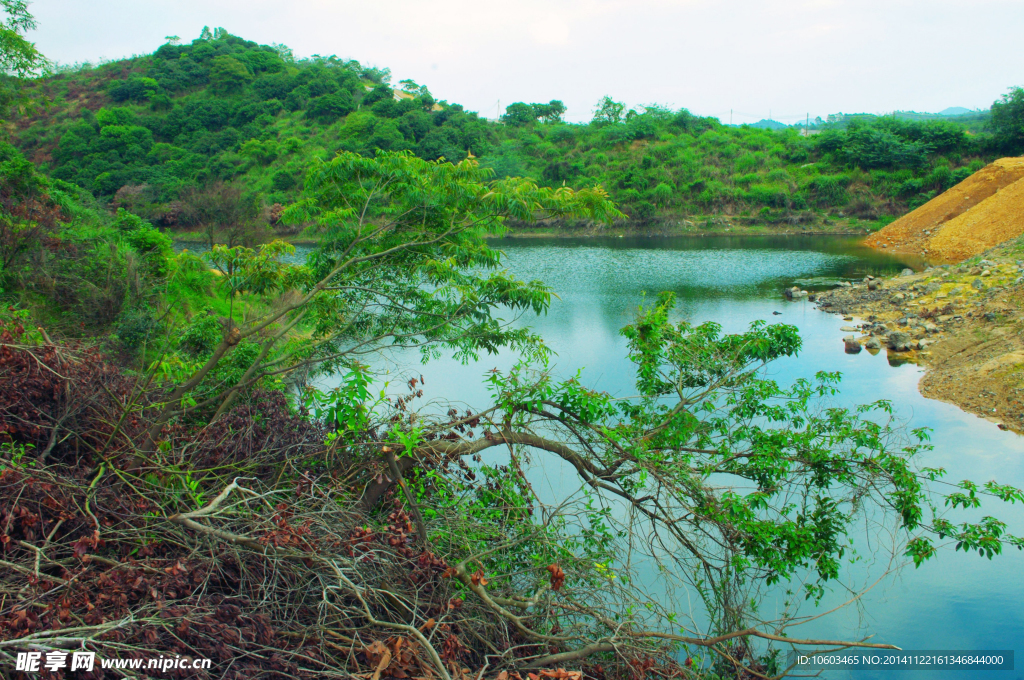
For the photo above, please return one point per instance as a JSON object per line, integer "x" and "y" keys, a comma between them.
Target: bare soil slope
{"x": 995, "y": 220}
{"x": 981, "y": 212}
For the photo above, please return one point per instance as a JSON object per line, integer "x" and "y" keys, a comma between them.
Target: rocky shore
{"x": 964, "y": 323}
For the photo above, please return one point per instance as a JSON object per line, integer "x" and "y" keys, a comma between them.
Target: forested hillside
{"x": 168, "y": 133}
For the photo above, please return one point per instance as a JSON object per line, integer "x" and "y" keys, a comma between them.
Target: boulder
{"x": 907, "y": 272}
{"x": 899, "y": 341}
{"x": 977, "y": 284}
{"x": 897, "y": 298}
{"x": 874, "y": 284}
{"x": 851, "y": 344}
{"x": 873, "y": 343}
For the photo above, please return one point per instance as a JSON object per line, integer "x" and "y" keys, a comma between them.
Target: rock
{"x": 873, "y": 343}
{"x": 956, "y": 291}
{"x": 898, "y": 341}
{"x": 812, "y": 297}
{"x": 799, "y": 294}
{"x": 945, "y": 275}
{"x": 941, "y": 296}
{"x": 986, "y": 273}
{"x": 897, "y": 298}
{"x": 847, "y": 318}
{"x": 848, "y": 329}
{"x": 851, "y": 344}
{"x": 931, "y": 328}
{"x": 987, "y": 263}
{"x": 845, "y": 284}
{"x": 932, "y": 287}
{"x": 974, "y": 271}
{"x": 990, "y": 316}
{"x": 977, "y": 284}
{"x": 874, "y": 284}
{"x": 907, "y": 272}
{"x": 901, "y": 321}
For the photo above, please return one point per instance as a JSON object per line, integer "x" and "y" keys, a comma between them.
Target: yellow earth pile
{"x": 983, "y": 211}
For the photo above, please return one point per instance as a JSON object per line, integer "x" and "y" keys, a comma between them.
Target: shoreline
{"x": 715, "y": 226}
{"x": 962, "y": 323}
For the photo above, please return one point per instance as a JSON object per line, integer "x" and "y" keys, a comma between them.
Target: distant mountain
{"x": 954, "y": 111}
{"x": 768, "y": 124}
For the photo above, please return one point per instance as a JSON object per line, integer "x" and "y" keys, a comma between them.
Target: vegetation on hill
{"x": 144, "y": 132}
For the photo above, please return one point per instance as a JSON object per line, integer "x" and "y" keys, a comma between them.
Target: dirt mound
{"x": 998, "y": 218}
{"x": 917, "y": 232}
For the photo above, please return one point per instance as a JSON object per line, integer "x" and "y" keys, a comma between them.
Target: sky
{"x": 781, "y": 58}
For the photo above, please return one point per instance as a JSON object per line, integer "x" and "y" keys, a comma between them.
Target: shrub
{"x": 331, "y": 107}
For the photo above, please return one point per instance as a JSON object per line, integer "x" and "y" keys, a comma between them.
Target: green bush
{"x": 201, "y": 335}
{"x": 331, "y": 107}
{"x": 135, "y": 327}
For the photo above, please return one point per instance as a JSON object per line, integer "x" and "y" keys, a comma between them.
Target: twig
{"x": 411, "y": 630}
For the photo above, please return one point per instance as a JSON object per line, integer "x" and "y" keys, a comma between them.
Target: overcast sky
{"x": 786, "y": 57}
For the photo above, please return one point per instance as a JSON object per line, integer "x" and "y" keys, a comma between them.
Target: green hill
{"x": 145, "y": 132}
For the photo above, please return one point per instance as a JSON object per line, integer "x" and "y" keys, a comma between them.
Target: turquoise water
{"x": 956, "y": 602}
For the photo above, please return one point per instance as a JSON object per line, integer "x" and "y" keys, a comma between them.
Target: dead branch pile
{"x": 245, "y": 542}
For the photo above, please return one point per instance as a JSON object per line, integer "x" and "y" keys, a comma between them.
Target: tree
{"x": 608, "y": 111}
{"x": 1007, "y": 121}
{"x": 379, "y": 93}
{"x": 331, "y": 107}
{"x": 225, "y": 213}
{"x": 18, "y": 56}
{"x": 401, "y": 262}
{"x": 28, "y": 211}
{"x": 551, "y": 112}
{"x": 228, "y": 75}
{"x": 518, "y": 113}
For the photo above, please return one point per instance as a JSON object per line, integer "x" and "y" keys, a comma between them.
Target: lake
{"x": 952, "y": 602}
{"x": 955, "y": 601}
